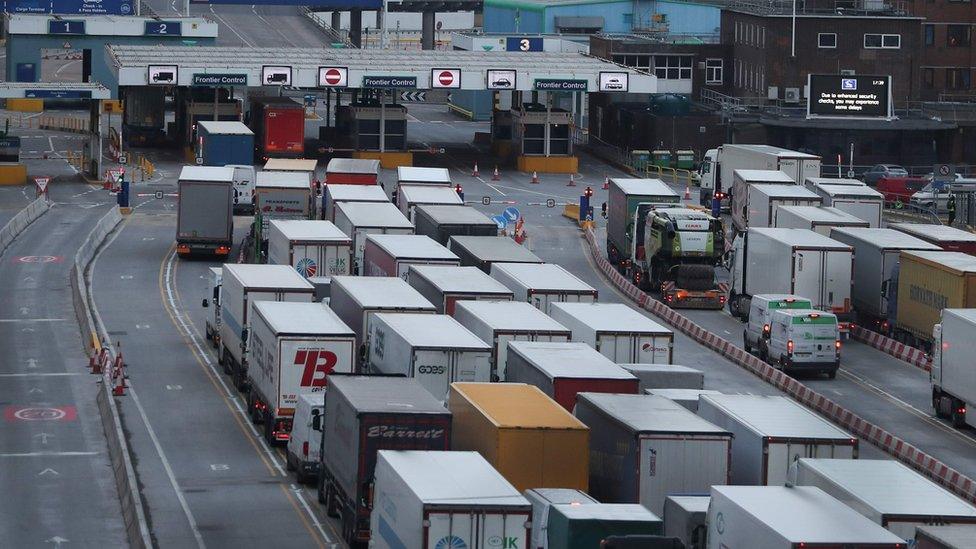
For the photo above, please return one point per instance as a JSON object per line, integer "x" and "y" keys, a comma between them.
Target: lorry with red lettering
{"x": 294, "y": 347}
{"x": 363, "y": 415}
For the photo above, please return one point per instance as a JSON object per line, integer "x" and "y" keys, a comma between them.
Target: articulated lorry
{"x": 719, "y": 164}
{"x": 929, "y": 282}
{"x": 953, "y": 377}
{"x": 205, "y": 217}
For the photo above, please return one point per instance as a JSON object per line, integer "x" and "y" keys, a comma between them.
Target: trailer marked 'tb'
{"x": 316, "y": 362}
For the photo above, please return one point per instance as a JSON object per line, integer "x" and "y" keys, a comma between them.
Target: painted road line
{"x": 45, "y": 374}
{"x": 48, "y": 454}
{"x": 2, "y": 320}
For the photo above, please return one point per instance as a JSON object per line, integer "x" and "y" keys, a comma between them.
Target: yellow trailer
{"x": 929, "y": 281}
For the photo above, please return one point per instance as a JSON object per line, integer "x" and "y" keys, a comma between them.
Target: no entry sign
{"x": 333, "y": 77}
{"x": 445, "y": 78}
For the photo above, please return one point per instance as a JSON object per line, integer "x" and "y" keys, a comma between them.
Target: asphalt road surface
{"x": 57, "y": 478}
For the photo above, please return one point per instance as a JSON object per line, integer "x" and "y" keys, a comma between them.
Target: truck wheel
{"x": 224, "y": 360}
{"x": 832, "y": 374}
{"x": 331, "y": 506}
{"x": 733, "y": 304}
{"x": 320, "y": 491}
{"x": 745, "y": 343}
{"x": 269, "y": 428}
{"x": 937, "y": 404}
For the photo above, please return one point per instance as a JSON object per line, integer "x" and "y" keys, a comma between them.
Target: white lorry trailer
{"x": 436, "y": 350}
{"x": 411, "y": 196}
{"x": 543, "y": 283}
{"x": 766, "y": 200}
{"x": 542, "y": 500}
{"x": 781, "y": 517}
{"x": 669, "y": 449}
{"x": 498, "y": 322}
{"x": 770, "y": 431}
{"x": 355, "y": 298}
{"x": 282, "y": 195}
{"x": 445, "y": 500}
{"x": 483, "y": 251}
{"x": 618, "y": 332}
{"x": 293, "y": 346}
{"x": 204, "y": 216}
{"x": 444, "y": 286}
{"x": 359, "y": 219}
{"x": 876, "y": 260}
{"x": 312, "y": 248}
{"x": 791, "y": 261}
{"x": 744, "y": 181}
{"x": 953, "y": 377}
{"x": 213, "y": 319}
{"x": 719, "y": 164}
{"x": 885, "y": 491}
{"x": 415, "y": 175}
{"x": 394, "y": 254}
{"x": 862, "y": 201}
{"x": 666, "y": 376}
{"x": 818, "y": 219}
{"x": 337, "y": 194}
{"x": 241, "y": 286}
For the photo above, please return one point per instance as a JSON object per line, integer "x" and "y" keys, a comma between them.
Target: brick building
{"x": 947, "y": 60}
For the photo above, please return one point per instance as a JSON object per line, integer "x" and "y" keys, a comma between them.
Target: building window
{"x": 958, "y": 79}
{"x": 929, "y": 35}
{"x": 958, "y": 36}
{"x": 882, "y": 41}
{"x": 713, "y": 71}
{"x": 629, "y": 20}
{"x": 763, "y": 34}
{"x": 673, "y": 67}
{"x": 736, "y": 32}
{"x": 928, "y": 78}
{"x": 827, "y": 40}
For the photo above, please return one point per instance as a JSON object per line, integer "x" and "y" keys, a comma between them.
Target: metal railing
{"x": 875, "y": 8}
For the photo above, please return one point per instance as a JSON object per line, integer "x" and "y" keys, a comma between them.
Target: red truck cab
{"x": 900, "y": 189}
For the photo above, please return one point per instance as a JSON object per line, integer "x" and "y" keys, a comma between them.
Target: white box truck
{"x": 415, "y": 175}
{"x": 312, "y": 248}
{"x": 885, "y": 491}
{"x": 766, "y": 200}
{"x": 876, "y": 260}
{"x": 770, "y": 431}
{"x": 791, "y": 261}
{"x": 213, "y": 318}
{"x": 498, "y": 322}
{"x": 337, "y": 194}
{"x": 444, "y": 286}
{"x": 294, "y": 346}
{"x": 282, "y": 195}
{"x": 359, "y": 219}
{"x": 664, "y": 448}
{"x": 482, "y": 251}
{"x": 719, "y": 164}
{"x": 862, "y": 201}
{"x": 411, "y": 196}
{"x": 543, "y": 283}
{"x": 811, "y": 182}
{"x": 241, "y": 286}
{"x": 743, "y": 182}
{"x": 670, "y": 376}
{"x": 445, "y": 500}
{"x": 953, "y": 376}
{"x": 618, "y": 332}
{"x": 818, "y": 219}
{"x": 436, "y": 350}
{"x": 204, "y": 215}
{"x": 781, "y": 517}
{"x": 356, "y": 298}
{"x": 684, "y": 518}
{"x": 394, "y": 254}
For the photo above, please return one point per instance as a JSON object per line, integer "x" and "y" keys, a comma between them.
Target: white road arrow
{"x": 49, "y": 471}
{"x": 32, "y": 363}
{"x": 27, "y": 328}
{"x": 34, "y": 390}
{"x": 43, "y": 437}
{"x": 28, "y": 279}
{"x": 24, "y": 311}
{"x": 57, "y": 541}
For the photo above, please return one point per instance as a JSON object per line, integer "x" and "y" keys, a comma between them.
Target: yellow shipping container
{"x": 929, "y": 281}
{"x": 529, "y": 438}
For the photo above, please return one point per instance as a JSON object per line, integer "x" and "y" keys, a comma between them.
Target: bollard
{"x": 535, "y": 177}
{"x": 474, "y": 172}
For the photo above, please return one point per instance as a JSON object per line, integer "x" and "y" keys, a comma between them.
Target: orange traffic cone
{"x": 606, "y": 182}
{"x": 572, "y": 180}
{"x": 495, "y": 176}
{"x": 687, "y": 192}
{"x": 474, "y": 172}
{"x": 535, "y": 177}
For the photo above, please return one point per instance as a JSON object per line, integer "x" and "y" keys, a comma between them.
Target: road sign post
{"x": 41, "y": 183}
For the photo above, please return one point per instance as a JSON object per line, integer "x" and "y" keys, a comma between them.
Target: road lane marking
{"x": 2, "y": 320}
{"x": 47, "y": 454}
{"x": 167, "y": 288}
{"x": 191, "y": 520}
{"x": 43, "y": 374}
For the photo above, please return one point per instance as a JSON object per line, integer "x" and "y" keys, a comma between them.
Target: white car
{"x": 755, "y": 336}
{"x": 805, "y": 340}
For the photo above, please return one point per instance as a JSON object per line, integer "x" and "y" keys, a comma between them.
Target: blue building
{"x": 606, "y": 16}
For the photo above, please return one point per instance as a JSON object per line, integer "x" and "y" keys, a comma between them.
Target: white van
{"x": 756, "y": 333}
{"x": 805, "y": 340}
{"x": 243, "y": 188}
{"x": 305, "y": 443}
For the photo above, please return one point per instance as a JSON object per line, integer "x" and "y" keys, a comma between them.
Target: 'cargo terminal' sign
{"x": 848, "y": 96}
{"x": 389, "y": 81}
{"x": 549, "y": 84}
{"x": 219, "y": 80}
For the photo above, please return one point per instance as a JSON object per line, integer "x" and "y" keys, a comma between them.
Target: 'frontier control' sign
{"x": 389, "y": 82}
{"x": 849, "y": 96}
{"x": 550, "y": 84}
{"x": 219, "y": 80}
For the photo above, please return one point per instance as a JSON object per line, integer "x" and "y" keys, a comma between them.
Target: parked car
{"x": 936, "y": 196}
{"x": 879, "y": 171}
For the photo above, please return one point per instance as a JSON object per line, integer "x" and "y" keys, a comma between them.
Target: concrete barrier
{"x": 911, "y": 355}
{"x": 19, "y": 222}
{"x": 133, "y": 512}
{"x": 908, "y": 454}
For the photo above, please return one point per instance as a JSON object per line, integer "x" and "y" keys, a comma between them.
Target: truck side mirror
{"x": 216, "y": 294}
{"x": 670, "y": 229}
{"x": 205, "y": 303}
{"x": 244, "y": 333}
{"x": 316, "y": 421}
{"x": 884, "y": 288}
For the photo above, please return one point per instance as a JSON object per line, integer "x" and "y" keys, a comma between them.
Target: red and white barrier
{"x": 955, "y": 481}
{"x": 911, "y": 355}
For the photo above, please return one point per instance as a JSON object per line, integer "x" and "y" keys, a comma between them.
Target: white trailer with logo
{"x": 394, "y": 254}
{"x": 294, "y": 347}
{"x": 436, "y": 350}
{"x": 241, "y": 286}
{"x": 620, "y": 333}
{"x": 282, "y": 195}
{"x": 411, "y": 196}
{"x": 356, "y": 298}
{"x": 337, "y": 194}
{"x": 313, "y": 248}
{"x": 669, "y": 449}
{"x": 444, "y": 286}
{"x": 360, "y": 219}
{"x": 543, "y": 283}
{"x": 498, "y": 322}
{"x": 769, "y": 432}
{"x": 445, "y": 500}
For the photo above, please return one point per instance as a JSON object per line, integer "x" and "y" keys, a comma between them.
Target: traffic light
{"x": 603, "y": 210}
{"x": 588, "y": 192}
{"x": 460, "y": 191}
